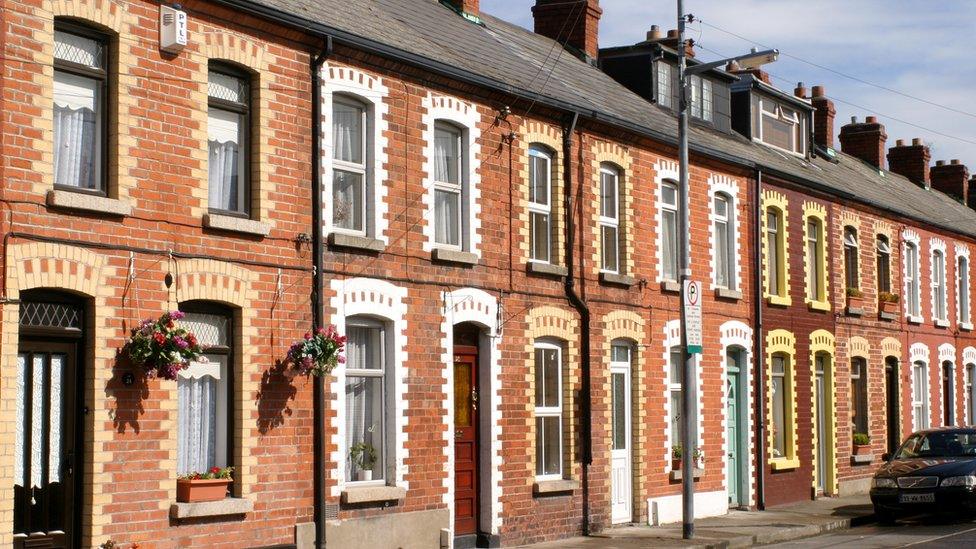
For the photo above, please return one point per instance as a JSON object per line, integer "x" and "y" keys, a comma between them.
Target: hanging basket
{"x": 317, "y": 353}
{"x": 162, "y": 347}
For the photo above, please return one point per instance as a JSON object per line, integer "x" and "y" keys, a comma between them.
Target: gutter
{"x": 586, "y": 412}
{"x": 318, "y": 314}
{"x": 757, "y": 335}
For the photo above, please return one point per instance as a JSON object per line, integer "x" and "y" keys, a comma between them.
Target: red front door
{"x": 465, "y": 440}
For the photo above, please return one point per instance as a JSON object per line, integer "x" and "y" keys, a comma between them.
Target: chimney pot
{"x": 818, "y": 91}
{"x": 872, "y": 120}
{"x": 899, "y": 142}
{"x": 917, "y": 141}
{"x": 954, "y": 161}
{"x": 577, "y": 23}
{"x": 800, "y": 90}
{"x": 654, "y": 33}
{"x": 940, "y": 162}
{"x": 951, "y": 178}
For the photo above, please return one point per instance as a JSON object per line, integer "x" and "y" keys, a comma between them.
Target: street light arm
{"x": 748, "y": 61}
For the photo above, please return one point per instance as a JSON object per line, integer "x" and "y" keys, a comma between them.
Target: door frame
{"x": 892, "y": 373}
{"x": 471, "y": 351}
{"x": 627, "y": 370}
{"x": 77, "y": 340}
{"x": 744, "y": 430}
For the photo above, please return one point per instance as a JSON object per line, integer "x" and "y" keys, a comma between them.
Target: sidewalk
{"x": 737, "y": 529}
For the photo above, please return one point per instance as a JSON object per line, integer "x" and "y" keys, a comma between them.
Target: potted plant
{"x": 208, "y": 486}
{"x": 317, "y": 353}
{"x": 888, "y": 302}
{"x": 162, "y": 347}
{"x": 855, "y": 299}
{"x": 862, "y": 444}
{"x": 696, "y": 457}
{"x": 363, "y": 456}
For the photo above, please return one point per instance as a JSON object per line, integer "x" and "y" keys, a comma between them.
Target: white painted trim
{"x": 739, "y": 334}
{"x": 730, "y": 187}
{"x": 962, "y": 252}
{"x": 910, "y": 236}
{"x": 918, "y": 352}
{"x": 663, "y": 169}
{"x": 947, "y": 353}
{"x": 377, "y": 299}
{"x": 668, "y": 509}
{"x": 465, "y": 115}
{"x": 938, "y": 245}
{"x": 672, "y": 338}
{"x": 372, "y": 92}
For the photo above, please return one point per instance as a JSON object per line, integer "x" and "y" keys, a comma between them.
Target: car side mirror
{"x": 886, "y": 456}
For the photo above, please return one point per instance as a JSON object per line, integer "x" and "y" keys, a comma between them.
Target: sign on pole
{"x": 693, "y": 316}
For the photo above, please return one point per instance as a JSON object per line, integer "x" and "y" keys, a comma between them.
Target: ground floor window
{"x": 548, "y": 410}
{"x": 920, "y": 391}
{"x": 366, "y": 400}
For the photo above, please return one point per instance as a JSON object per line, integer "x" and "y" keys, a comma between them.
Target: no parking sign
{"x": 693, "y": 316}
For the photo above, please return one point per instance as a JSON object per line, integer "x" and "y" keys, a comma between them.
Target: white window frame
{"x": 387, "y": 402}
{"x": 610, "y": 222}
{"x": 457, "y": 188}
{"x": 674, "y": 353}
{"x": 963, "y": 302}
{"x": 940, "y": 313}
{"x": 359, "y": 169}
{"x": 701, "y": 98}
{"x": 674, "y": 208}
{"x": 664, "y": 90}
{"x": 920, "y": 388}
{"x": 539, "y": 151}
{"x": 729, "y": 219}
{"x": 911, "y": 273}
{"x": 799, "y": 148}
{"x": 552, "y": 411}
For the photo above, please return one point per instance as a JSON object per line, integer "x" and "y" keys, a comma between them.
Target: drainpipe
{"x": 318, "y": 315}
{"x": 757, "y": 335}
{"x": 584, "y": 312}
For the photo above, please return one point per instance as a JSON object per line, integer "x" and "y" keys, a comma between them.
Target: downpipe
{"x": 758, "y": 359}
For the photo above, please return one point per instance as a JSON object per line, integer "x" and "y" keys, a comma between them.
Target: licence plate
{"x": 916, "y": 498}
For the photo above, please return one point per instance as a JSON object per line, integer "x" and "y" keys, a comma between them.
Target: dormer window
{"x": 701, "y": 98}
{"x": 663, "y": 84}
{"x": 781, "y": 127}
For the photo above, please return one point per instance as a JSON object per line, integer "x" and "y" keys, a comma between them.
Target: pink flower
{"x": 341, "y": 359}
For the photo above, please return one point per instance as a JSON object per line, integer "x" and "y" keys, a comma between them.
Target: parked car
{"x": 933, "y": 471}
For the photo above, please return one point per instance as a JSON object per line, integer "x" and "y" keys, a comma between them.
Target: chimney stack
{"x": 911, "y": 161}
{"x": 469, "y": 7}
{"x": 823, "y": 118}
{"x": 576, "y": 23}
{"x": 865, "y": 140}
{"x": 671, "y": 40}
{"x": 760, "y": 74}
{"x": 951, "y": 178}
{"x": 971, "y": 200}
{"x": 800, "y": 90}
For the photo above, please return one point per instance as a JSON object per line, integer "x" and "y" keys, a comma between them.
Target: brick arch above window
{"x": 624, "y": 325}
{"x": 891, "y": 347}
{"x": 918, "y": 352}
{"x": 816, "y": 211}
{"x": 612, "y": 155}
{"x": 777, "y": 202}
{"x": 969, "y": 355}
{"x": 549, "y": 138}
{"x": 782, "y": 342}
{"x": 723, "y": 185}
{"x": 947, "y": 352}
{"x": 857, "y": 346}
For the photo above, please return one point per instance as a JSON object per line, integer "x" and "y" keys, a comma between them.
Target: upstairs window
{"x": 227, "y": 135}
{"x": 80, "y": 113}
{"x": 448, "y": 185}
{"x": 781, "y": 127}
{"x": 962, "y": 288}
{"x": 851, "y": 259}
{"x": 815, "y": 260}
{"x": 938, "y": 285}
{"x": 669, "y": 231}
{"x": 724, "y": 247}
{"x": 859, "y": 396}
{"x": 664, "y": 84}
{"x": 610, "y": 218}
{"x": 775, "y": 252}
{"x": 701, "y": 98}
{"x": 349, "y": 174}
{"x": 540, "y": 204}
{"x": 912, "y": 305}
{"x": 884, "y": 264}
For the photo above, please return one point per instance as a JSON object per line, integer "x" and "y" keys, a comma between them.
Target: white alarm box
{"x": 172, "y": 29}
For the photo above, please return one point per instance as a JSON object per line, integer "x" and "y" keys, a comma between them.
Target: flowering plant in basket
{"x": 319, "y": 352}
{"x": 162, "y": 347}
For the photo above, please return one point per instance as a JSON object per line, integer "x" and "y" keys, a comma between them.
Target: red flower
{"x": 170, "y": 324}
{"x": 160, "y": 338}
{"x": 191, "y": 339}
{"x": 215, "y": 470}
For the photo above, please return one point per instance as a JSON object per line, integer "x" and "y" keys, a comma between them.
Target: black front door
{"x": 47, "y": 446}
{"x": 894, "y": 414}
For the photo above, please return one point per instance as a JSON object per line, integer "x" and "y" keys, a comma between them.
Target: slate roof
{"x": 516, "y": 60}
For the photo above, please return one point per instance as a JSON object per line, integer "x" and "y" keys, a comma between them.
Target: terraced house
{"x": 489, "y": 216}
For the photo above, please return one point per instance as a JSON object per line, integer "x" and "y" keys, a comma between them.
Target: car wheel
{"x": 883, "y": 516}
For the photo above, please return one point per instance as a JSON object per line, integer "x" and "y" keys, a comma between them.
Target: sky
{"x": 918, "y": 48}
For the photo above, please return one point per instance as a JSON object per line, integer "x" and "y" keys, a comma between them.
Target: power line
{"x": 845, "y": 75}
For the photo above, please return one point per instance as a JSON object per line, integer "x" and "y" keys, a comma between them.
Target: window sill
{"x": 454, "y": 256}
{"x": 726, "y": 293}
{"x": 88, "y": 203}
{"x": 967, "y": 326}
{"x": 676, "y": 474}
{"x": 545, "y": 269}
{"x": 784, "y": 464}
{"x": 617, "y": 279}
{"x": 356, "y": 242}
{"x": 227, "y": 506}
{"x": 862, "y": 459}
{"x": 779, "y": 300}
{"x": 235, "y": 224}
{"x": 373, "y": 494}
{"x": 887, "y": 316}
{"x": 912, "y": 319}
{"x": 670, "y": 286}
{"x": 554, "y": 487}
{"x": 855, "y": 311}
{"x": 818, "y": 305}
{"x": 941, "y": 323}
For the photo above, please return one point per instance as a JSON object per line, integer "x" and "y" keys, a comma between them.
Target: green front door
{"x": 733, "y": 430}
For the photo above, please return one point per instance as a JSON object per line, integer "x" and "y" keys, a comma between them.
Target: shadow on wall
{"x": 128, "y": 398}
{"x": 277, "y": 389}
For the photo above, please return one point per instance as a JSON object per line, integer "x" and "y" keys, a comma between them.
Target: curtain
{"x": 54, "y": 422}
{"x": 669, "y": 245}
{"x": 347, "y": 133}
{"x": 347, "y": 200}
{"x": 223, "y": 131}
{"x": 722, "y": 256}
{"x": 446, "y": 212}
{"x": 19, "y": 479}
{"x": 197, "y": 442}
{"x": 74, "y": 147}
{"x": 445, "y": 156}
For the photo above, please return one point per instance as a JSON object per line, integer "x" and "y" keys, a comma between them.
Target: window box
{"x": 889, "y": 308}
{"x": 862, "y": 449}
{"x": 554, "y": 487}
{"x": 198, "y": 490}
{"x": 676, "y": 474}
{"x": 855, "y": 305}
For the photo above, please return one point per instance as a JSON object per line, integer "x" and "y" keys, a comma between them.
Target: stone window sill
{"x": 445, "y": 255}
{"x": 818, "y": 305}
{"x": 235, "y": 224}
{"x": 887, "y": 316}
{"x": 373, "y": 494}
{"x": 855, "y": 311}
{"x": 939, "y": 323}
{"x": 617, "y": 279}
{"x": 784, "y": 464}
{"x": 913, "y": 319}
{"x": 545, "y": 269}
{"x": 224, "y": 507}
{"x": 554, "y": 487}
{"x": 968, "y": 326}
{"x": 676, "y": 474}
{"x": 726, "y": 293}
{"x": 670, "y": 286}
{"x": 779, "y": 300}
{"x": 356, "y": 242}
{"x": 88, "y": 203}
{"x": 862, "y": 459}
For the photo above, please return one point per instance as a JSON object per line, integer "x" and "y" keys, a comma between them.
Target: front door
{"x": 948, "y": 402}
{"x": 465, "y": 440}
{"x": 620, "y": 453}
{"x": 47, "y": 450}
{"x": 733, "y": 432}
{"x": 822, "y": 410}
{"x": 892, "y": 401}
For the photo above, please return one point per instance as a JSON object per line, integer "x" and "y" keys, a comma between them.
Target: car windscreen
{"x": 939, "y": 444}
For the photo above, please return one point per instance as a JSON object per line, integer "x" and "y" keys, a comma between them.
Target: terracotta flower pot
{"x": 855, "y": 302}
{"x": 193, "y": 491}
{"x": 889, "y": 307}
{"x": 675, "y": 464}
{"x": 862, "y": 449}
